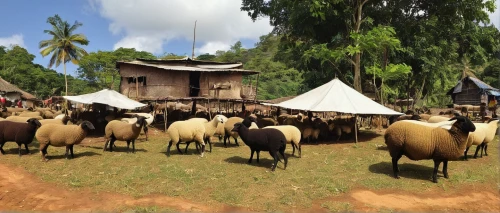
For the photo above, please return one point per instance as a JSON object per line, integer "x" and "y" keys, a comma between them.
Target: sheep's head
{"x": 464, "y": 124}
{"x": 4, "y": 109}
{"x": 248, "y": 121}
{"x": 220, "y": 118}
{"x": 86, "y": 125}
{"x": 415, "y": 117}
{"x": 34, "y": 122}
{"x": 237, "y": 127}
{"x": 141, "y": 120}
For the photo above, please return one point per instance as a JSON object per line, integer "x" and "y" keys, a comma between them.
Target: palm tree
{"x": 63, "y": 44}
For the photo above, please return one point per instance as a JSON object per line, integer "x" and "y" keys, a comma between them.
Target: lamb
{"x": 271, "y": 140}
{"x": 117, "y": 130}
{"x": 186, "y": 131}
{"x": 62, "y": 135}
{"x": 21, "y": 133}
{"x": 490, "y": 130}
{"x": 419, "y": 142}
{"x": 292, "y": 135}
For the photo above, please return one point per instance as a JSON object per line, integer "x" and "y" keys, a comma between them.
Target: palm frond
{"x": 74, "y": 27}
{"x": 45, "y": 43}
{"x": 53, "y": 59}
{"x": 79, "y": 39}
{"x": 48, "y": 50}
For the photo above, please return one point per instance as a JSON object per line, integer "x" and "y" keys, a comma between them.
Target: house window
{"x": 141, "y": 80}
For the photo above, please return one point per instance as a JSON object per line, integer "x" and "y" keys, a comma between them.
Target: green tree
{"x": 206, "y": 57}
{"x": 99, "y": 68}
{"x": 63, "y": 44}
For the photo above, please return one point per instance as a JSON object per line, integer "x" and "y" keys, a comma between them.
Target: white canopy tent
{"x": 106, "y": 96}
{"x": 335, "y": 96}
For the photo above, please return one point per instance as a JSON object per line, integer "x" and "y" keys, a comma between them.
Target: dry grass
{"x": 223, "y": 176}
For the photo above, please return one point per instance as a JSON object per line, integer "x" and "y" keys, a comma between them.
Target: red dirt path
{"x": 21, "y": 191}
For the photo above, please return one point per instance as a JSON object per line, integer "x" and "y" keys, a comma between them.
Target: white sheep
{"x": 117, "y": 130}
{"x": 210, "y": 128}
{"x": 186, "y": 131}
{"x": 490, "y": 130}
{"x": 292, "y": 135}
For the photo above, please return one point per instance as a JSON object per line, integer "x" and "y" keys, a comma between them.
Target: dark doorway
{"x": 194, "y": 84}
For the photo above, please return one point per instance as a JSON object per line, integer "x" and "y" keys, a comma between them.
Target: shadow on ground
{"x": 407, "y": 170}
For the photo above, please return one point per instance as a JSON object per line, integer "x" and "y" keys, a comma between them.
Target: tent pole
{"x": 356, "y": 127}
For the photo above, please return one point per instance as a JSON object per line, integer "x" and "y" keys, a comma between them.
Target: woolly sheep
{"x": 117, "y": 130}
{"x": 62, "y": 121}
{"x": 29, "y": 114}
{"x": 62, "y": 135}
{"x": 133, "y": 119}
{"x": 490, "y": 130}
{"x": 21, "y": 133}
{"x": 210, "y": 128}
{"x": 292, "y": 135}
{"x": 21, "y": 119}
{"x": 228, "y": 126}
{"x": 271, "y": 140}
{"x": 186, "y": 131}
{"x": 419, "y": 142}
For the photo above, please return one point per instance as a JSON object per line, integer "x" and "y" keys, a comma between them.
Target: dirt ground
{"x": 21, "y": 191}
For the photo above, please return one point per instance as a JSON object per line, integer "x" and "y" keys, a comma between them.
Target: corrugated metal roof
{"x": 481, "y": 84}
{"x": 193, "y": 68}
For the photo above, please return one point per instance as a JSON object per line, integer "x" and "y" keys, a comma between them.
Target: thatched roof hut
{"x": 183, "y": 78}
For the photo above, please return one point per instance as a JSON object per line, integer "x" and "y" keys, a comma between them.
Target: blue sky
{"x": 27, "y": 20}
{"x": 157, "y": 26}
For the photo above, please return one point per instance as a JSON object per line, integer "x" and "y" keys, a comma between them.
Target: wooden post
{"x": 194, "y": 38}
{"x": 136, "y": 87}
{"x": 209, "y": 113}
{"x": 218, "y": 101}
{"x": 165, "y": 115}
{"x": 256, "y": 92}
{"x": 356, "y": 127}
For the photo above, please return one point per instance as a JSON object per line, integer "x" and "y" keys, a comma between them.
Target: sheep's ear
{"x": 452, "y": 119}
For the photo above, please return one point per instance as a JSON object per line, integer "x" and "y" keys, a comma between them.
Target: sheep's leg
{"x": 105, "y": 145}
{"x": 19, "y": 147}
{"x": 300, "y": 150}
{"x": 71, "y": 151}
{"x": 258, "y": 156}
{"x": 293, "y": 148}
{"x": 179, "y": 149}
{"x": 225, "y": 146}
{"x": 485, "y": 149}
{"x": 275, "y": 156}
{"x": 395, "y": 167}
{"x": 67, "y": 152}
{"x": 146, "y": 131}
{"x": 128, "y": 146}
{"x": 282, "y": 152}
{"x": 435, "y": 172}
{"x": 236, "y": 141}
{"x": 111, "y": 143}
{"x": 133, "y": 146}
{"x": 168, "y": 148}
{"x": 27, "y": 150}
{"x": 445, "y": 169}
{"x": 477, "y": 149}
{"x": 202, "y": 150}
{"x": 43, "y": 151}
{"x": 251, "y": 155}
{"x": 1, "y": 148}
{"x": 465, "y": 153}
{"x": 186, "y": 149}
{"x": 209, "y": 143}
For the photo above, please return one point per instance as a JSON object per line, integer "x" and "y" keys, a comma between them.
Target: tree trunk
{"x": 65, "y": 78}
{"x": 357, "y": 56}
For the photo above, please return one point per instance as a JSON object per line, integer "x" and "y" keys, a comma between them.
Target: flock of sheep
{"x": 417, "y": 136}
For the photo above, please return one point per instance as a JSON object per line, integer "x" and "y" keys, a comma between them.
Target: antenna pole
{"x": 194, "y": 38}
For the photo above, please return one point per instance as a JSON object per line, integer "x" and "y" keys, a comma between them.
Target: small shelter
{"x": 9, "y": 91}
{"x": 143, "y": 79}
{"x": 472, "y": 91}
{"x": 335, "y": 96}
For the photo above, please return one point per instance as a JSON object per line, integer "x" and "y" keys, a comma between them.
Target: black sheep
{"x": 271, "y": 140}
{"x": 21, "y": 133}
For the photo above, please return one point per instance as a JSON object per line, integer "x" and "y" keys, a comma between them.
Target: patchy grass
{"x": 325, "y": 170}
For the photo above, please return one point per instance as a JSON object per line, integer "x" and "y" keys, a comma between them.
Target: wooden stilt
{"x": 165, "y": 116}
{"x": 209, "y": 112}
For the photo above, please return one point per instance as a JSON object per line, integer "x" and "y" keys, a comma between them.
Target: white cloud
{"x": 212, "y": 47}
{"x": 149, "y": 24}
{"x": 16, "y": 39}
{"x": 495, "y": 17}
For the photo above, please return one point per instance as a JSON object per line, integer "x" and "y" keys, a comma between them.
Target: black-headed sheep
{"x": 122, "y": 131}
{"x": 62, "y": 135}
{"x": 271, "y": 140}
{"x": 186, "y": 131}
{"x": 419, "y": 142}
{"x": 21, "y": 133}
